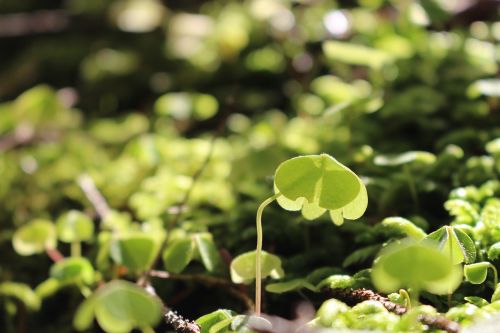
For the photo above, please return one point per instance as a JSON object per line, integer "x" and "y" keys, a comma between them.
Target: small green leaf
{"x": 243, "y": 267}
{"x": 74, "y": 226}
{"x": 494, "y": 251}
{"x": 476, "y": 273}
{"x": 353, "y": 54}
{"x": 119, "y": 306}
{"x": 404, "y": 226}
{"x": 292, "y": 285}
{"x": 330, "y": 310}
{"x": 207, "y": 321}
{"x": 422, "y": 157}
{"x": 136, "y": 251}
{"x": 430, "y": 269}
{"x": 208, "y": 251}
{"x": 337, "y": 282}
{"x": 455, "y": 243}
{"x": 178, "y": 255}
{"x": 73, "y": 270}
{"x": 22, "y": 292}
{"x": 477, "y": 301}
{"x": 34, "y": 237}
{"x": 317, "y": 183}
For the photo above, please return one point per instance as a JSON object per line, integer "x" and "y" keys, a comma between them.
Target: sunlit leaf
{"x": 74, "y": 226}
{"x": 136, "y": 251}
{"x": 208, "y": 251}
{"x": 404, "y": 226}
{"x": 243, "y": 267}
{"x": 73, "y": 270}
{"x": 455, "y": 244}
{"x": 119, "y": 306}
{"x": 34, "y": 237}
{"x": 476, "y": 273}
{"x": 317, "y": 183}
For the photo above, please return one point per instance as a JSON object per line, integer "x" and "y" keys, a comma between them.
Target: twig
{"x": 93, "y": 195}
{"x": 353, "y": 296}
{"x": 213, "y": 281}
{"x": 179, "y": 324}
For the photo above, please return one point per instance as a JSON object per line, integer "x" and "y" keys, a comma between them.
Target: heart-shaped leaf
{"x": 73, "y": 270}
{"x": 178, "y": 255}
{"x": 74, "y": 226}
{"x": 415, "y": 265}
{"x": 317, "y": 183}
{"x": 243, "y": 267}
{"x": 34, "y": 237}
{"x": 477, "y": 273}
{"x": 119, "y": 306}
{"x": 455, "y": 243}
{"x": 136, "y": 251}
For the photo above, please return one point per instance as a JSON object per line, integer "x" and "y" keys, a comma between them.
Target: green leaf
{"x": 354, "y": 54}
{"x": 119, "y": 306}
{"x": 455, "y": 243}
{"x": 429, "y": 270}
{"x": 136, "y": 251}
{"x": 22, "y": 292}
{"x": 477, "y": 273}
{"x": 361, "y": 255}
{"x": 73, "y": 270}
{"x": 292, "y": 285}
{"x": 207, "y": 321}
{"x": 337, "y": 282}
{"x": 494, "y": 251}
{"x": 243, "y": 267}
{"x": 208, "y": 251}
{"x": 34, "y": 237}
{"x": 317, "y": 183}
{"x": 496, "y": 294}
{"x": 422, "y": 157}
{"x": 74, "y": 226}
{"x": 178, "y": 255}
{"x": 477, "y": 301}
{"x": 330, "y": 310}
{"x": 404, "y": 226}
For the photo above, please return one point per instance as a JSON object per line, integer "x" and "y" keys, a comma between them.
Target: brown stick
{"x": 353, "y": 296}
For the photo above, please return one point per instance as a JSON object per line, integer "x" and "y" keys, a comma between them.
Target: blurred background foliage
{"x": 159, "y": 101}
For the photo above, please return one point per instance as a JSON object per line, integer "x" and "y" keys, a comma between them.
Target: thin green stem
{"x": 76, "y": 250}
{"x": 258, "y": 252}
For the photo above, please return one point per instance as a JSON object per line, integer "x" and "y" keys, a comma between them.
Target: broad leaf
{"x": 207, "y": 321}
{"x": 119, "y": 306}
{"x": 243, "y": 267}
{"x": 317, "y": 183}
{"x": 455, "y": 243}
{"x": 73, "y": 270}
{"x": 178, "y": 255}
{"x": 414, "y": 265}
{"x": 74, "y": 226}
{"x": 34, "y": 237}
{"x": 136, "y": 251}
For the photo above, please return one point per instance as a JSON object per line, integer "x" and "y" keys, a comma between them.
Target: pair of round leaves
{"x": 40, "y": 234}
{"x": 420, "y": 266}
{"x": 119, "y": 307}
{"x": 317, "y": 183}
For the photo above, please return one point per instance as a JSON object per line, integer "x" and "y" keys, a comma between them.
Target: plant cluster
{"x": 134, "y": 177}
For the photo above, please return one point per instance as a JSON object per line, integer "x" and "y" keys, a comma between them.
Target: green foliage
{"x": 455, "y": 243}
{"x": 34, "y": 237}
{"x": 243, "y": 267}
{"x": 119, "y": 307}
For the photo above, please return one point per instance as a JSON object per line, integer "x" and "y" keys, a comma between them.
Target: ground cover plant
{"x": 155, "y": 156}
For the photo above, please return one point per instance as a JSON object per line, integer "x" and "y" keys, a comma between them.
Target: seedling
{"x": 415, "y": 266}
{"x": 455, "y": 243}
{"x": 313, "y": 184}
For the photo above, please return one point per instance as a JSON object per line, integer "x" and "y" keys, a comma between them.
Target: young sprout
{"x": 314, "y": 184}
